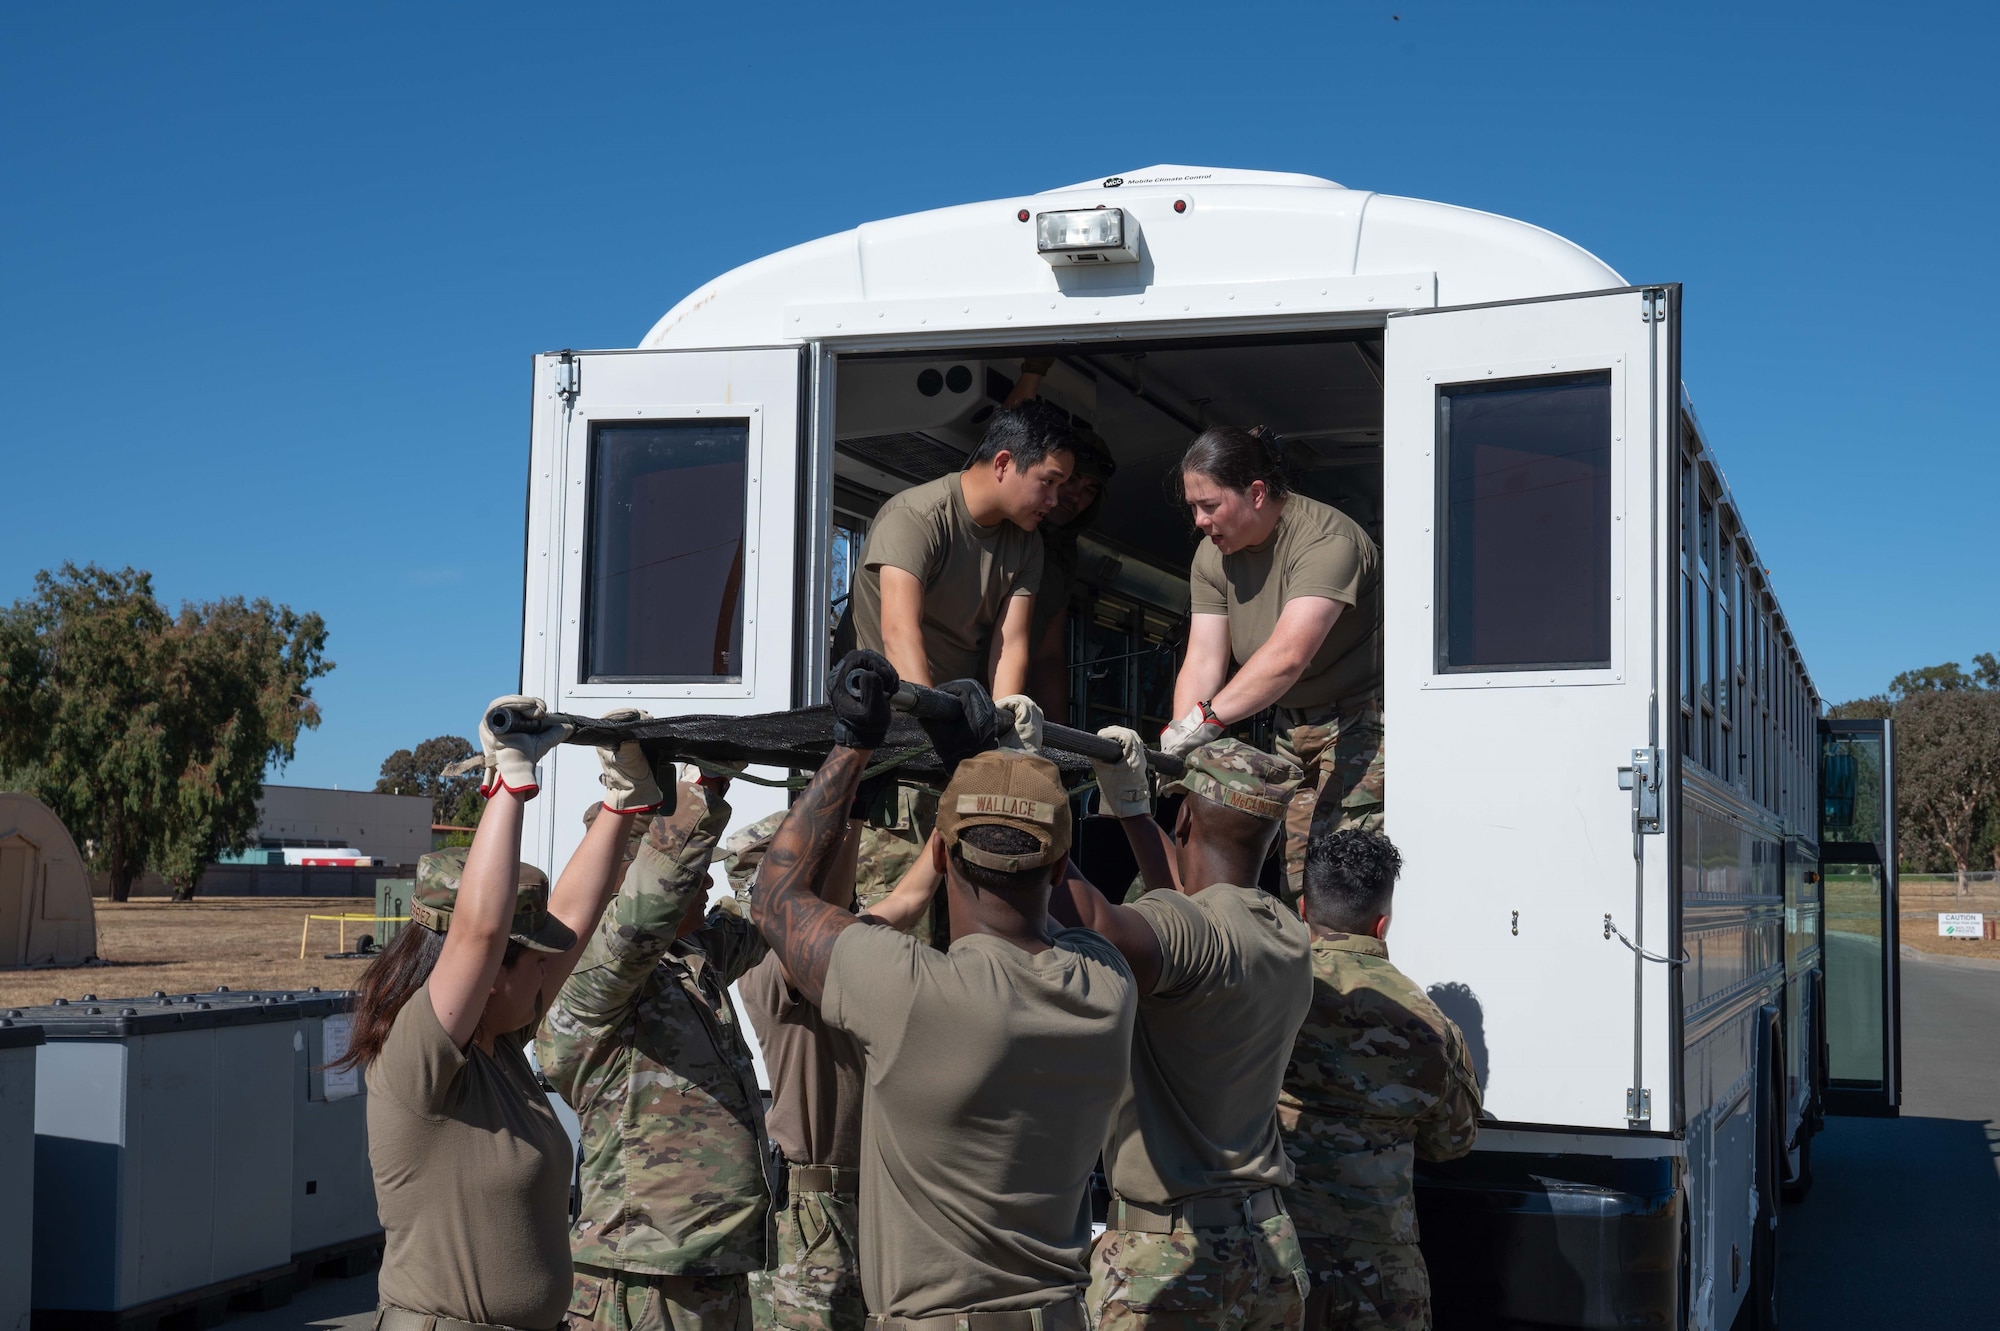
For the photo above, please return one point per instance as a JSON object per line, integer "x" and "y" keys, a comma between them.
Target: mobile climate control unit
{"x": 1605, "y": 753}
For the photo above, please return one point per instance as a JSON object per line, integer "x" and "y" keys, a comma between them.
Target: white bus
{"x": 1603, "y": 748}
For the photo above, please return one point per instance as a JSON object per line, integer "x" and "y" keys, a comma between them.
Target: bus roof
{"x": 1244, "y": 241}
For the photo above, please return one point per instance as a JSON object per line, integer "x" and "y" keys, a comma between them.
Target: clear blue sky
{"x": 271, "y": 274}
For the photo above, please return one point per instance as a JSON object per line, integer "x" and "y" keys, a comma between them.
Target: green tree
{"x": 454, "y": 799}
{"x": 239, "y": 674}
{"x": 149, "y": 734}
{"x": 80, "y": 713}
{"x": 1948, "y": 772}
{"x": 1946, "y": 678}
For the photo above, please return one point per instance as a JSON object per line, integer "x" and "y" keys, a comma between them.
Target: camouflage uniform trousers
{"x": 1231, "y": 1278}
{"x": 814, "y": 1283}
{"x": 606, "y": 1300}
{"x": 1340, "y": 749}
{"x": 1366, "y": 1286}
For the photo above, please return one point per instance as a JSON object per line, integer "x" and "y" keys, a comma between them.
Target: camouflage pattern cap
{"x": 436, "y": 894}
{"x": 1232, "y": 773}
{"x": 1007, "y": 788}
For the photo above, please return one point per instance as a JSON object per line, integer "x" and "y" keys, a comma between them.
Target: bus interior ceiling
{"x": 902, "y": 419}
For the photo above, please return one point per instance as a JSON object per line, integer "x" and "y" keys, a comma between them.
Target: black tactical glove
{"x": 859, "y": 690}
{"x": 871, "y": 795}
{"x": 975, "y": 729}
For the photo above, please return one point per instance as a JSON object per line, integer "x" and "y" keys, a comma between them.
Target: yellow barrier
{"x": 306, "y": 928}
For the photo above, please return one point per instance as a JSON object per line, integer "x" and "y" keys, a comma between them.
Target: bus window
{"x": 665, "y": 572}
{"x": 1524, "y": 528}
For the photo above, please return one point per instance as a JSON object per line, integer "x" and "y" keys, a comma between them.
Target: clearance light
{"x": 1087, "y": 235}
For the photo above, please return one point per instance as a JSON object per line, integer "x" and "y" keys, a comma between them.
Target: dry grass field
{"x": 241, "y": 942}
{"x": 1923, "y": 898}
{"x": 1851, "y": 908}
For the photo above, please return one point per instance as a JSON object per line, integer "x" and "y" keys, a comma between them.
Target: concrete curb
{"x": 1969, "y": 963}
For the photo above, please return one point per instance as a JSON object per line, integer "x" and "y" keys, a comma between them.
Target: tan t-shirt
{"x": 1210, "y": 1048}
{"x": 969, "y": 573}
{"x": 992, "y": 1075}
{"x": 816, "y": 1073}
{"x": 472, "y": 1175}
{"x": 1316, "y": 550}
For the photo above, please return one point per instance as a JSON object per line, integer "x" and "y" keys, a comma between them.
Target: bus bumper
{"x": 1516, "y": 1240}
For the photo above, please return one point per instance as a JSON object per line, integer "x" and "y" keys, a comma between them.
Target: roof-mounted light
{"x": 1087, "y": 235}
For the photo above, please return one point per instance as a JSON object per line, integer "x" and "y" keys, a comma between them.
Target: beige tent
{"x": 46, "y": 918}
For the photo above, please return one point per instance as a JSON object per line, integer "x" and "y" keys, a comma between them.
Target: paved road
{"x": 1903, "y": 1224}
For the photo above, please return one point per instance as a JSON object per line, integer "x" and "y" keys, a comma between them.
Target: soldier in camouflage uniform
{"x": 1197, "y": 1235}
{"x": 645, "y": 1045}
{"x": 1379, "y": 1079}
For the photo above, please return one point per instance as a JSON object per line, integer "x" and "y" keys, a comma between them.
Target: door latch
{"x": 1642, "y": 778}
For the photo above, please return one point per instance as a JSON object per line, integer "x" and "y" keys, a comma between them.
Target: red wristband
{"x": 647, "y": 808}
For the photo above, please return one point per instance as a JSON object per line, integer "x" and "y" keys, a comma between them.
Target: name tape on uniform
{"x": 1008, "y": 806}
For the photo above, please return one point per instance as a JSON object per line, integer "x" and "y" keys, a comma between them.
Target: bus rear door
{"x": 1525, "y": 567}
{"x": 662, "y": 543}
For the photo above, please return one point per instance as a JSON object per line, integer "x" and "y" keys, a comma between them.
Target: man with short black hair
{"x": 1197, "y": 1234}
{"x": 948, "y": 575}
{"x": 1359, "y": 1112}
{"x": 992, "y": 1068}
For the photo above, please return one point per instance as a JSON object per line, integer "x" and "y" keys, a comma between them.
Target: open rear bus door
{"x": 1527, "y": 647}
{"x": 1857, "y": 869}
{"x": 663, "y": 551}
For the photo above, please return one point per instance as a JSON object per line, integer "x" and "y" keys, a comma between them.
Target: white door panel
{"x": 1520, "y": 455}
{"x": 661, "y": 545}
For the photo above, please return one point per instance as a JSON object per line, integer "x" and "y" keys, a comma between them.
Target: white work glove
{"x": 510, "y": 759}
{"x": 1024, "y": 722}
{"x": 1192, "y": 731}
{"x": 629, "y": 783}
{"x": 1122, "y": 788}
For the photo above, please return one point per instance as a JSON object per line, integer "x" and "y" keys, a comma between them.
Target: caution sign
{"x": 1961, "y": 924}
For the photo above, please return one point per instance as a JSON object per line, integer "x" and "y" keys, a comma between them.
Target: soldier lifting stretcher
{"x": 471, "y": 1167}
{"x": 992, "y": 1068}
{"x": 1197, "y": 1235}
{"x": 1289, "y": 589}
{"x": 948, "y": 574}
{"x": 644, "y": 1043}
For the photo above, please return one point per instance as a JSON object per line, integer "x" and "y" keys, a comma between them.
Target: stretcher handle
{"x": 934, "y": 704}
{"x": 509, "y": 721}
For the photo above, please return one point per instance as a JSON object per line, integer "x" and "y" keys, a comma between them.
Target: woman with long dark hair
{"x": 1289, "y": 591}
{"x": 472, "y": 1169}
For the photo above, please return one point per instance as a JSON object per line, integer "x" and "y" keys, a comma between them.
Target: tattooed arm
{"x": 787, "y": 908}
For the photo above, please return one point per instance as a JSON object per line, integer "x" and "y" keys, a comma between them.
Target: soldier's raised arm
{"x": 667, "y": 879}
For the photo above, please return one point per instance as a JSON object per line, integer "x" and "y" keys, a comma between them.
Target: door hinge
{"x": 1638, "y": 1108}
{"x": 1642, "y": 778}
{"x": 1652, "y": 306}
{"x": 569, "y": 376}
